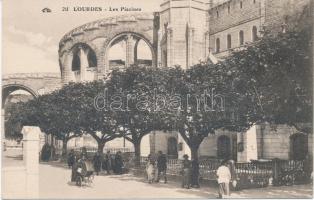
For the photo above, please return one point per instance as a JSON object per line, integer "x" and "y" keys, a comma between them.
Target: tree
{"x": 132, "y": 101}
{"x": 276, "y": 72}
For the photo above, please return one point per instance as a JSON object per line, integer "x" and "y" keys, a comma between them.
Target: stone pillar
{"x": 169, "y": 47}
{"x": 84, "y": 62}
{"x": 31, "y": 159}
{"x": 135, "y": 51}
{"x": 67, "y": 68}
{"x": 249, "y": 141}
{"x": 158, "y": 52}
{"x": 2, "y": 124}
{"x": 129, "y": 50}
{"x": 190, "y": 47}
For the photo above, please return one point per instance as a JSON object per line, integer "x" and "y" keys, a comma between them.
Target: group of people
{"x": 156, "y": 168}
{"x": 100, "y": 162}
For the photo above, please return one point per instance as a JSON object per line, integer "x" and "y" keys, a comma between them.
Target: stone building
{"x": 185, "y": 32}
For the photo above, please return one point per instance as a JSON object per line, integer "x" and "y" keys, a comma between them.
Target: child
{"x": 150, "y": 170}
{"x": 224, "y": 177}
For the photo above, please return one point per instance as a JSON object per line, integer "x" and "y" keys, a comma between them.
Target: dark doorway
{"x": 224, "y": 147}
{"x": 298, "y": 146}
{"x": 172, "y": 148}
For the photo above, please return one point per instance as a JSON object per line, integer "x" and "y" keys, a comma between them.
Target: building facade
{"x": 185, "y": 32}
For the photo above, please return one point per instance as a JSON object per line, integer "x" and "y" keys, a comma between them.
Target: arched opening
{"x": 128, "y": 49}
{"x": 228, "y": 41}
{"x": 224, "y": 147}
{"x": 172, "y": 148}
{"x": 117, "y": 54}
{"x": 142, "y": 54}
{"x": 241, "y": 38}
{"x": 254, "y": 33}
{"x": 217, "y": 45}
{"x": 298, "y": 146}
{"x": 83, "y": 56}
{"x": 11, "y": 95}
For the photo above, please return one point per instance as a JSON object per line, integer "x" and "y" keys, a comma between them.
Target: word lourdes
{"x": 208, "y": 101}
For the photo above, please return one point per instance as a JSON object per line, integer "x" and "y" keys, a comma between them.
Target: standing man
{"x": 224, "y": 177}
{"x": 107, "y": 162}
{"x": 97, "y": 162}
{"x": 162, "y": 166}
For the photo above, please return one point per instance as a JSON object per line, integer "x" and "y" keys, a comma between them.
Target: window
{"x": 228, "y": 41}
{"x": 228, "y": 9}
{"x": 254, "y": 33}
{"x": 217, "y": 45}
{"x": 241, "y": 4}
{"x": 217, "y": 13}
{"x": 254, "y": 1}
{"x": 241, "y": 37}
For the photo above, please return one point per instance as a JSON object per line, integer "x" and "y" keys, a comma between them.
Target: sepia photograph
{"x": 166, "y": 99}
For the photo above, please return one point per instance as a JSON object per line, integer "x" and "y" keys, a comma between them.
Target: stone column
{"x": 135, "y": 51}
{"x": 2, "y": 124}
{"x": 31, "y": 159}
{"x": 84, "y": 62}
{"x": 67, "y": 67}
{"x": 190, "y": 47}
{"x": 129, "y": 50}
{"x": 169, "y": 47}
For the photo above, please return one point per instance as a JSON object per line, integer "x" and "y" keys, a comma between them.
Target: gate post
{"x": 275, "y": 169}
{"x": 31, "y": 159}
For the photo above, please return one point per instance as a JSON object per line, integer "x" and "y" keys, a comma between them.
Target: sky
{"x": 31, "y": 37}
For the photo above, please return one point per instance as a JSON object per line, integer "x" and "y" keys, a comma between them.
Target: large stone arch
{"x": 112, "y": 39}
{"x": 9, "y": 88}
{"x": 98, "y": 34}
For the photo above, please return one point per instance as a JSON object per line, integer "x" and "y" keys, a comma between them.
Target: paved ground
{"x": 54, "y": 183}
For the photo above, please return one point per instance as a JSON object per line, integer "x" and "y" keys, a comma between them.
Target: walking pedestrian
{"x": 107, "y": 164}
{"x": 186, "y": 172}
{"x": 97, "y": 162}
{"x": 161, "y": 166}
{"x": 71, "y": 158}
{"x": 118, "y": 163}
{"x": 224, "y": 177}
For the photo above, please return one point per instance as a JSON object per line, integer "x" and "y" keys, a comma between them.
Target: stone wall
{"x": 276, "y": 141}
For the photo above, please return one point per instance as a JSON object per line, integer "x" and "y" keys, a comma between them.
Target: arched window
{"x": 254, "y": 33}
{"x": 88, "y": 54}
{"x": 217, "y": 45}
{"x": 228, "y": 8}
{"x": 228, "y": 41}
{"x": 172, "y": 148}
{"x": 223, "y": 147}
{"x": 241, "y": 37}
{"x": 92, "y": 60}
{"x": 298, "y": 146}
{"x": 76, "y": 62}
{"x": 241, "y": 4}
{"x": 217, "y": 13}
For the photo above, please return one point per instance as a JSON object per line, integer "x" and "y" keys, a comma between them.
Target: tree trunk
{"x": 194, "y": 153}
{"x": 137, "y": 151}
{"x": 195, "y": 166}
{"x": 64, "y": 148}
{"x": 101, "y": 146}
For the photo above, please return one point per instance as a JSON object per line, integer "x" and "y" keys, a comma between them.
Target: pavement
{"x": 55, "y": 183}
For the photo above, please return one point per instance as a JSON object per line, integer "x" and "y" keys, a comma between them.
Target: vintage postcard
{"x": 127, "y": 99}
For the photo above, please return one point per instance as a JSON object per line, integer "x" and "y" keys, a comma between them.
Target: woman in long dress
{"x": 150, "y": 170}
